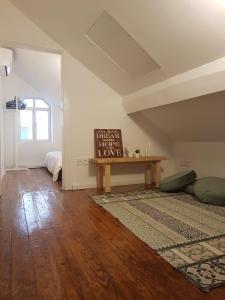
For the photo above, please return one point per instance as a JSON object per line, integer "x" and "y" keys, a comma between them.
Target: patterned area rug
{"x": 188, "y": 234}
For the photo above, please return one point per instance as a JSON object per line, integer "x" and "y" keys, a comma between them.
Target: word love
{"x": 109, "y": 153}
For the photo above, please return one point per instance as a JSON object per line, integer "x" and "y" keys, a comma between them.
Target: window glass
{"x": 40, "y": 104}
{"x": 35, "y": 120}
{"x": 29, "y": 102}
{"x": 42, "y": 125}
{"x": 26, "y": 125}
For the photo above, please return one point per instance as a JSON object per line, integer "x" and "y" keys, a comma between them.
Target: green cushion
{"x": 190, "y": 188}
{"x": 211, "y": 190}
{"x": 178, "y": 181}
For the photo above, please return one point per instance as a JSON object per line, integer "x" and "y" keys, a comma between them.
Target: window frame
{"x": 34, "y": 109}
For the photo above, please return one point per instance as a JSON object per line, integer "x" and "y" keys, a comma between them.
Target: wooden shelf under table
{"x": 152, "y": 166}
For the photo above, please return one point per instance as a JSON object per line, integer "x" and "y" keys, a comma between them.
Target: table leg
{"x": 99, "y": 177}
{"x": 147, "y": 171}
{"x": 155, "y": 173}
{"x": 107, "y": 178}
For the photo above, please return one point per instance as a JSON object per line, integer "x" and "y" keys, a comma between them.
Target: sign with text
{"x": 108, "y": 143}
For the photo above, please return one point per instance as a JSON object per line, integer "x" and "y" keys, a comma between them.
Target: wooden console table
{"x": 152, "y": 166}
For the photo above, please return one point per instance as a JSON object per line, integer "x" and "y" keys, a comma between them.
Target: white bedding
{"x": 53, "y": 162}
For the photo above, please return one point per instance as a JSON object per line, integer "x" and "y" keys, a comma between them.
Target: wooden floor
{"x": 61, "y": 245}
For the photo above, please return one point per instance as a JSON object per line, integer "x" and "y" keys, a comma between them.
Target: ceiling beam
{"x": 204, "y": 80}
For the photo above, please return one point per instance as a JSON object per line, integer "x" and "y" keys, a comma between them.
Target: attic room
{"x": 112, "y": 181}
{"x": 32, "y": 109}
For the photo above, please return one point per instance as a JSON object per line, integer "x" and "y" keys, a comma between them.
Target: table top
{"x": 114, "y": 160}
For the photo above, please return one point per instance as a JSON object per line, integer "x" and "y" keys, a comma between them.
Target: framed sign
{"x": 108, "y": 143}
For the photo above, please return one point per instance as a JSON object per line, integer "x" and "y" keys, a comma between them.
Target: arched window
{"x": 35, "y": 124}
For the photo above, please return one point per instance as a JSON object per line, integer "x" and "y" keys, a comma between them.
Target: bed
{"x": 53, "y": 162}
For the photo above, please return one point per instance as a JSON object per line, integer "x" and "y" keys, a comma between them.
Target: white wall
{"x": 1, "y": 134}
{"x": 207, "y": 158}
{"x": 88, "y": 104}
{"x": 29, "y": 154}
{"x": 160, "y": 143}
{"x": 5, "y": 57}
{"x": 2, "y": 165}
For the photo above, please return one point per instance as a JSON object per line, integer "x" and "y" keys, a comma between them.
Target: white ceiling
{"x": 120, "y": 47}
{"x": 204, "y": 80}
{"x": 178, "y": 35}
{"x": 198, "y": 119}
{"x": 41, "y": 70}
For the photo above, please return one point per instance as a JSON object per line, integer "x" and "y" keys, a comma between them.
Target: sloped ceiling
{"x": 204, "y": 80}
{"x": 199, "y": 119}
{"x": 42, "y": 71}
{"x": 178, "y": 35}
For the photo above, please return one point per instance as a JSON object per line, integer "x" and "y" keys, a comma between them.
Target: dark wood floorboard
{"x": 58, "y": 245}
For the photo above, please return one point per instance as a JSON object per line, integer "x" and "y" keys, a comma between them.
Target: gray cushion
{"x": 178, "y": 181}
{"x": 211, "y": 190}
{"x": 190, "y": 188}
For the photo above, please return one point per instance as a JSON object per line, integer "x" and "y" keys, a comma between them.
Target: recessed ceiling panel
{"x": 120, "y": 47}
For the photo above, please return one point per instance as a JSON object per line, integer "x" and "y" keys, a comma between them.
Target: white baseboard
{"x": 17, "y": 169}
{"x": 81, "y": 186}
{"x": 32, "y": 166}
{"x": 1, "y": 178}
{"x": 2, "y": 173}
